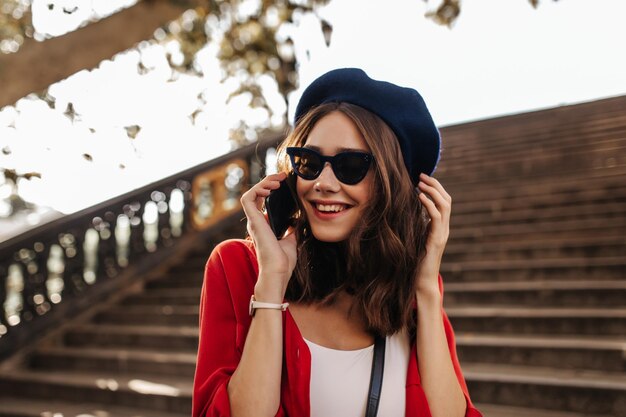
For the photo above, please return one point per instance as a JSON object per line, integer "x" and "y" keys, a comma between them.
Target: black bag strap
{"x": 376, "y": 380}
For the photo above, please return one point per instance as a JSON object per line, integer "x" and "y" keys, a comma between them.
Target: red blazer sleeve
{"x": 229, "y": 277}
{"x": 217, "y": 353}
{"x": 470, "y": 411}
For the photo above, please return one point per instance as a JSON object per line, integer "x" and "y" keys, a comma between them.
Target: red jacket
{"x": 229, "y": 278}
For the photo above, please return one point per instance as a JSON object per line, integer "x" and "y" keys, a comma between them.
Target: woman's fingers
{"x": 430, "y": 206}
{"x": 439, "y": 208}
{"x": 259, "y": 191}
{"x": 252, "y": 203}
{"x": 269, "y": 185}
{"x": 431, "y": 181}
{"x": 442, "y": 205}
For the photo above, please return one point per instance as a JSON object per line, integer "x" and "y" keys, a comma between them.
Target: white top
{"x": 340, "y": 379}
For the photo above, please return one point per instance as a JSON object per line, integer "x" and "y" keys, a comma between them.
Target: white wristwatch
{"x": 258, "y": 304}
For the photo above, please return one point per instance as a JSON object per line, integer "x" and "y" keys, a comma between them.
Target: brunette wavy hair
{"x": 378, "y": 262}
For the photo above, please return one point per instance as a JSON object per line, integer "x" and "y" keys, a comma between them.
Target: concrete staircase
{"x": 534, "y": 271}
{"x": 132, "y": 356}
{"x": 535, "y": 268}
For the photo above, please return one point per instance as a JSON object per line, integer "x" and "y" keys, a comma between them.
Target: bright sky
{"x": 501, "y": 57}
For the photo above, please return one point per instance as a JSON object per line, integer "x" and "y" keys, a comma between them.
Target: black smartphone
{"x": 281, "y": 205}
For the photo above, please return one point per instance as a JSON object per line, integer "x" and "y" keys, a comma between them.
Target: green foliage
{"x": 250, "y": 45}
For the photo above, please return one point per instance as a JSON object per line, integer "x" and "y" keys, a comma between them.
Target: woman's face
{"x": 324, "y": 195}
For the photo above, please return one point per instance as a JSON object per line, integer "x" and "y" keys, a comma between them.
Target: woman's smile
{"x": 329, "y": 209}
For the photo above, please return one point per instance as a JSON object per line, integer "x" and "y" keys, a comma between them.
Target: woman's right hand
{"x": 276, "y": 258}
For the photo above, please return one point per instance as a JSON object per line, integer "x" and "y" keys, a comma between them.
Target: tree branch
{"x": 39, "y": 64}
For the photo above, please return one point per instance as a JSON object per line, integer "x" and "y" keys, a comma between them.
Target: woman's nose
{"x": 327, "y": 180}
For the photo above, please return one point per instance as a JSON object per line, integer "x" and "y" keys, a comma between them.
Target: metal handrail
{"x": 59, "y": 261}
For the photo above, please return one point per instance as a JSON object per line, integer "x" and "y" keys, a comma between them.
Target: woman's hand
{"x": 276, "y": 258}
{"x": 439, "y": 209}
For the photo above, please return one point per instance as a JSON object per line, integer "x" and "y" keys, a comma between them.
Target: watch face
{"x": 250, "y": 308}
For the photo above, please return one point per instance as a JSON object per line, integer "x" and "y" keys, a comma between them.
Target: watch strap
{"x": 254, "y": 304}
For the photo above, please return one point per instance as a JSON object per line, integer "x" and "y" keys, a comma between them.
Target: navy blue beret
{"x": 403, "y": 109}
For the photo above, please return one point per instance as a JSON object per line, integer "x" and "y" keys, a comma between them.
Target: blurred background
{"x": 129, "y": 130}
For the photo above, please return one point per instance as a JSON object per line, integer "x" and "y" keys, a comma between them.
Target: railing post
{"x": 74, "y": 260}
{"x": 4, "y": 273}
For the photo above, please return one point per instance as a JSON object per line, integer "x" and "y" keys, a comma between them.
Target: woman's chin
{"x": 328, "y": 236}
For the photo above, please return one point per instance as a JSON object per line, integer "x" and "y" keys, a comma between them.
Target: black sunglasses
{"x": 349, "y": 167}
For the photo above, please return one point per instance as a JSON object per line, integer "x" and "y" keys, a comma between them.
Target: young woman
{"x": 307, "y": 325}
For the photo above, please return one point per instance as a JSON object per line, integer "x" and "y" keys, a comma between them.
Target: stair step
{"x": 574, "y": 352}
{"x": 537, "y": 127}
{"x": 176, "y": 296}
{"x": 187, "y": 281}
{"x": 146, "y": 337}
{"x": 548, "y": 165}
{"x": 536, "y": 264}
{"x": 605, "y": 268}
{"x": 492, "y": 410}
{"x": 195, "y": 262}
{"x": 550, "y": 229}
{"x": 142, "y": 391}
{"x": 571, "y": 155}
{"x": 572, "y": 293}
{"x": 591, "y": 142}
{"x": 604, "y": 160}
{"x": 604, "y": 146}
{"x": 531, "y": 215}
{"x": 583, "y": 247}
{"x": 122, "y": 361}
{"x": 159, "y": 315}
{"x": 539, "y": 192}
{"x": 515, "y": 200}
{"x": 597, "y": 182}
{"x": 21, "y": 407}
{"x": 578, "y": 391}
{"x": 544, "y": 142}
{"x": 535, "y": 320}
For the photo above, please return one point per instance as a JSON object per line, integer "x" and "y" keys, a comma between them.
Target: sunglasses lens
{"x": 307, "y": 164}
{"x": 351, "y": 168}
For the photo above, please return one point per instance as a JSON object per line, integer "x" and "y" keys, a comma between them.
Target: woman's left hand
{"x": 439, "y": 209}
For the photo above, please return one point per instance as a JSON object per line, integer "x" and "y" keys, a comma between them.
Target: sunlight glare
{"x": 147, "y": 387}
